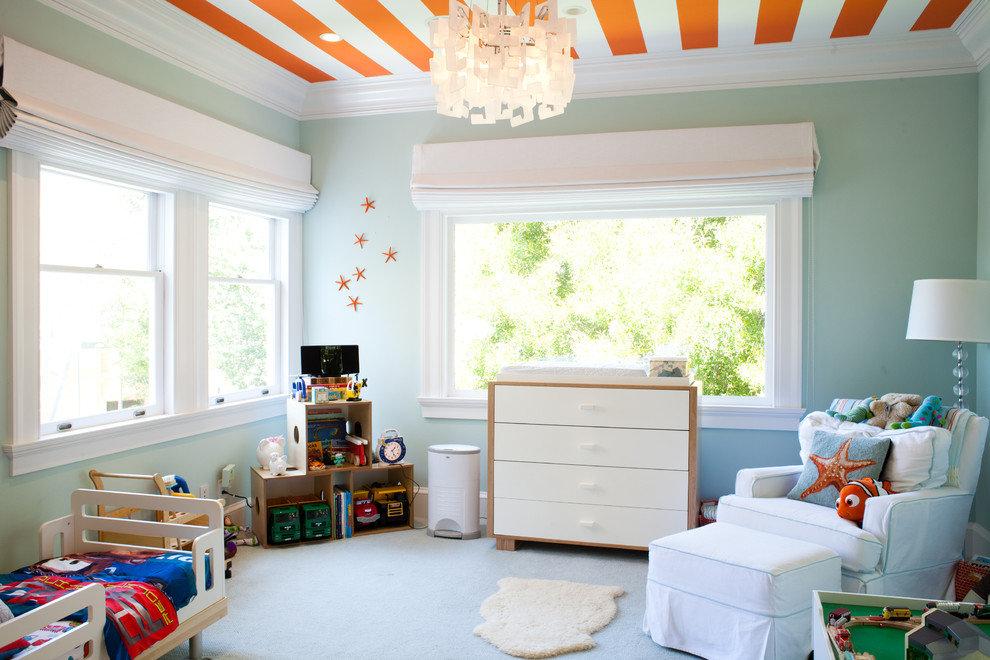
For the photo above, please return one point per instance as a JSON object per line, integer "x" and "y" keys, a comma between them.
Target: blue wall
{"x": 898, "y": 160}
{"x": 896, "y": 199}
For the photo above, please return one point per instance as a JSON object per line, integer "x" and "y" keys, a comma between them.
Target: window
{"x": 243, "y": 303}
{"x": 611, "y": 290}
{"x": 527, "y": 185}
{"x": 765, "y": 390}
{"x": 141, "y": 331}
{"x": 129, "y": 291}
{"x": 100, "y": 301}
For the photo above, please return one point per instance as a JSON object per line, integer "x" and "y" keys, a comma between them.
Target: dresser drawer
{"x": 585, "y": 523}
{"x": 622, "y": 487}
{"x": 593, "y": 406}
{"x": 592, "y": 445}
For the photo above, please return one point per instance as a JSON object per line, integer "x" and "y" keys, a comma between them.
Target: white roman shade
{"x": 77, "y": 117}
{"x": 677, "y": 166}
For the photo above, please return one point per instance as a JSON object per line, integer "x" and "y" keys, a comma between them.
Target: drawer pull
{"x": 586, "y": 523}
{"x": 587, "y": 445}
{"x": 588, "y": 485}
{"x": 587, "y": 406}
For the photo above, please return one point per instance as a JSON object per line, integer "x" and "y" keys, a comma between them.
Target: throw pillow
{"x": 918, "y": 458}
{"x": 819, "y": 420}
{"x": 835, "y": 460}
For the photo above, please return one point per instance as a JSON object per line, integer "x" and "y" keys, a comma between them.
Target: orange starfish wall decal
{"x": 368, "y": 204}
{"x": 354, "y": 302}
{"x": 342, "y": 283}
{"x": 834, "y": 470}
{"x": 361, "y": 240}
{"x": 359, "y": 273}
{"x": 390, "y": 255}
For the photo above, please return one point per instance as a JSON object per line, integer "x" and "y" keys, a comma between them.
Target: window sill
{"x": 86, "y": 444}
{"x": 761, "y": 418}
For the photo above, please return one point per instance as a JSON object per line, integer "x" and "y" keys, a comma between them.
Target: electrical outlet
{"x": 204, "y": 491}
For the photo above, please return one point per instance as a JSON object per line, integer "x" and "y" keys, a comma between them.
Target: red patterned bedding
{"x": 143, "y": 591}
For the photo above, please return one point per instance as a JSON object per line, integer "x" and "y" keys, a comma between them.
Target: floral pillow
{"x": 833, "y": 460}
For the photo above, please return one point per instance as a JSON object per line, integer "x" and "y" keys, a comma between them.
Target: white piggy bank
{"x": 268, "y": 447}
{"x": 277, "y": 465}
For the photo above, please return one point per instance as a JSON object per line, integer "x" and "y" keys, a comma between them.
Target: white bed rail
{"x": 193, "y": 523}
{"x": 92, "y": 598}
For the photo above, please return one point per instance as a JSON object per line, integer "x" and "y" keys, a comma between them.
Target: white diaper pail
{"x": 454, "y": 491}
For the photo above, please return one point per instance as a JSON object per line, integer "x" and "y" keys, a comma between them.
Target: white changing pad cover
{"x": 564, "y": 368}
{"x": 550, "y": 371}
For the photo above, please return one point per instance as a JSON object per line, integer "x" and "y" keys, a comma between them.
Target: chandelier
{"x": 498, "y": 66}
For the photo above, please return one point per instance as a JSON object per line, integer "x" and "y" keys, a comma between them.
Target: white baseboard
{"x": 237, "y": 512}
{"x": 421, "y": 507}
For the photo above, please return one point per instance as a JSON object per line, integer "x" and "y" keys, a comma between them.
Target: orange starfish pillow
{"x": 834, "y": 461}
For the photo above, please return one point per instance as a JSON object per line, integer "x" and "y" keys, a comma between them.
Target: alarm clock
{"x": 391, "y": 448}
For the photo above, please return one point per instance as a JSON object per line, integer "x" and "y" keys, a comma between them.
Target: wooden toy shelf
{"x": 317, "y": 486}
{"x": 300, "y": 485}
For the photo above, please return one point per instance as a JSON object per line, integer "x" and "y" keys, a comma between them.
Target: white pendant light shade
{"x": 498, "y": 66}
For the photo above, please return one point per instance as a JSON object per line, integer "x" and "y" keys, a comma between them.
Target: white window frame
{"x": 276, "y": 267}
{"x": 158, "y": 207}
{"x": 616, "y": 173}
{"x": 779, "y": 409}
{"x": 187, "y": 406}
{"x": 124, "y": 132}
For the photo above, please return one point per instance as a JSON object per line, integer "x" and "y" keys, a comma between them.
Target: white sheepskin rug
{"x": 544, "y": 618}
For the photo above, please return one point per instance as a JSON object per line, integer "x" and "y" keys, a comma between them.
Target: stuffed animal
{"x": 859, "y": 413}
{"x": 892, "y": 408}
{"x": 851, "y": 502}
{"x": 929, "y": 413}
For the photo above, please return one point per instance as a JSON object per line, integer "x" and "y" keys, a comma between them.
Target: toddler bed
{"x": 99, "y": 599}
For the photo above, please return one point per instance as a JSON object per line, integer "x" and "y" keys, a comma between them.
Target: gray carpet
{"x": 406, "y": 595}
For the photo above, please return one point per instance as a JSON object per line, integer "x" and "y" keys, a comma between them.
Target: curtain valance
{"x": 76, "y": 116}
{"x": 674, "y": 166}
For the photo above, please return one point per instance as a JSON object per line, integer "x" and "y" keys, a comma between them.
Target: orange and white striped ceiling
{"x": 383, "y": 37}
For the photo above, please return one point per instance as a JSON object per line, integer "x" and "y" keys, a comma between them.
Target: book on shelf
{"x": 343, "y": 508}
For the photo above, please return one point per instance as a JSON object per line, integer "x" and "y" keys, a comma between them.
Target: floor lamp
{"x": 951, "y": 310}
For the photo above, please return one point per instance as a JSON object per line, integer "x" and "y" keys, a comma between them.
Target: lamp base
{"x": 960, "y": 389}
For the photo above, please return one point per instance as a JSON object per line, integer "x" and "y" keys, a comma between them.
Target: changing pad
{"x": 551, "y": 371}
{"x": 552, "y": 368}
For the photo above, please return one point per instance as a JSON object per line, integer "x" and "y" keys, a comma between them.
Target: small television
{"x": 329, "y": 361}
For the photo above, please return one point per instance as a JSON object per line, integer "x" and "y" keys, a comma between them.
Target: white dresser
{"x": 590, "y": 463}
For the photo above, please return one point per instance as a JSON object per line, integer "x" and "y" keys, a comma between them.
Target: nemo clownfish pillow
{"x": 852, "y": 498}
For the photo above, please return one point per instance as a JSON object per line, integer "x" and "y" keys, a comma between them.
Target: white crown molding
{"x": 158, "y": 28}
{"x": 171, "y": 35}
{"x": 973, "y": 28}
{"x": 369, "y": 96}
{"x": 919, "y": 54}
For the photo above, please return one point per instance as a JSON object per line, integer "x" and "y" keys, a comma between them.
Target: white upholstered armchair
{"x": 910, "y": 541}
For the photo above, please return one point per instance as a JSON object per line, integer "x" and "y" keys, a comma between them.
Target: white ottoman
{"x": 724, "y": 591}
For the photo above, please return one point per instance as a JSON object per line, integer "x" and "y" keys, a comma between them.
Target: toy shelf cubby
{"x": 300, "y": 485}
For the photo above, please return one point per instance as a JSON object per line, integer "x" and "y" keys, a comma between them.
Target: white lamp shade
{"x": 950, "y": 310}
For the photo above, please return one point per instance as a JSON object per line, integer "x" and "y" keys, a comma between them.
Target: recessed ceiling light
{"x": 331, "y": 36}
{"x": 575, "y": 11}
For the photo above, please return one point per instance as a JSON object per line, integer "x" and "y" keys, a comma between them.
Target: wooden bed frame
{"x": 81, "y": 530}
